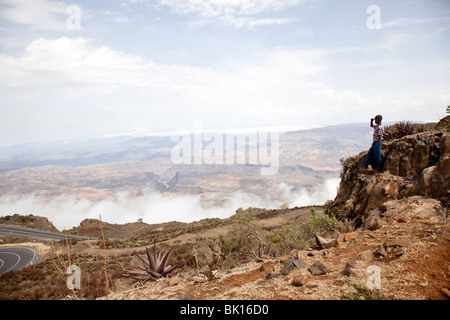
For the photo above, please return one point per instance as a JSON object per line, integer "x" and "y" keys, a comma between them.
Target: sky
{"x": 89, "y": 69}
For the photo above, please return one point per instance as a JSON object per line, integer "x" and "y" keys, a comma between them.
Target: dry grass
{"x": 47, "y": 280}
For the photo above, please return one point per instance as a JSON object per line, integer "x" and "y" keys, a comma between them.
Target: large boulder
{"x": 435, "y": 180}
{"x": 409, "y": 155}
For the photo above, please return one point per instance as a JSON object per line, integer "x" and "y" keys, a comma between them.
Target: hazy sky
{"x": 81, "y": 69}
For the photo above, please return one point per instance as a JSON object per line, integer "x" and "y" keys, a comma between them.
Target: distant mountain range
{"x": 97, "y": 169}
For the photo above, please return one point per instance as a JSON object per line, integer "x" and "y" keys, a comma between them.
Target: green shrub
{"x": 363, "y": 293}
{"x": 322, "y": 225}
{"x": 247, "y": 236}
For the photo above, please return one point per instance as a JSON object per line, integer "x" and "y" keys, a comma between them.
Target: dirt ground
{"x": 420, "y": 272}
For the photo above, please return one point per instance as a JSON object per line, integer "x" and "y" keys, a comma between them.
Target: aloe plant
{"x": 398, "y": 130}
{"x": 155, "y": 266}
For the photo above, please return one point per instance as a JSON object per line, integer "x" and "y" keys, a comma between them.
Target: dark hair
{"x": 379, "y": 117}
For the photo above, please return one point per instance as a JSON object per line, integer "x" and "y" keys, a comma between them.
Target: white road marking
{"x": 18, "y": 256}
{"x": 15, "y": 263}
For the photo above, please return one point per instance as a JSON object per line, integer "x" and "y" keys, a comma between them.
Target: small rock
{"x": 323, "y": 243}
{"x": 373, "y": 220}
{"x": 274, "y": 275}
{"x": 348, "y": 268}
{"x": 317, "y": 268}
{"x": 299, "y": 280}
{"x": 288, "y": 266}
{"x": 300, "y": 263}
{"x": 364, "y": 256}
{"x": 380, "y": 252}
{"x": 174, "y": 281}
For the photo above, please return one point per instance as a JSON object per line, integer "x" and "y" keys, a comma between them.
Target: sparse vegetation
{"x": 323, "y": 225}
{"x": 249, "y": 238}
{"x": 364, "y": 293}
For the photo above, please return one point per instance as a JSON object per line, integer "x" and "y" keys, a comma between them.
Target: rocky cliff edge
{"x": 415, "y": 165}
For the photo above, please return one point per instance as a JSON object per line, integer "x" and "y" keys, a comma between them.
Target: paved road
{"x": 35, "y": 234}
{"x": 16, "y": 258}
{"x": 19, "y": 257}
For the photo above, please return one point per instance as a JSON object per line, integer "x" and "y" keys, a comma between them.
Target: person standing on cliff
{"x": 375, "y": 150}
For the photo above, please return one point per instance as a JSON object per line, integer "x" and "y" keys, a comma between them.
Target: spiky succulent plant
{"x": 155, "y": 266}
{"x": 398, "y": 130}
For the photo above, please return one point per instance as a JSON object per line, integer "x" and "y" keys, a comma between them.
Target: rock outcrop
{"x": 29, "y": 221}
{"x": 417, "y": 164}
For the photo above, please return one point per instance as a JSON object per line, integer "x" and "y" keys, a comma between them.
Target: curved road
{"x": 19, "y": 257}
{"x": 15, "y": 258}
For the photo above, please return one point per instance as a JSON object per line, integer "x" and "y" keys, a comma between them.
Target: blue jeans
{"x": 374, "y": 154}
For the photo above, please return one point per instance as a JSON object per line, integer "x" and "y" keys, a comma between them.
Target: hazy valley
{"x": 105, "y": 175}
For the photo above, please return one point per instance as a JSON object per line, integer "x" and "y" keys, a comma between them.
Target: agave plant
{"x": 398, "y": 130}
{"x": 155, "y": 266}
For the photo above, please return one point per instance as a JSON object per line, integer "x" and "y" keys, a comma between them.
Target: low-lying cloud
{"x": 66, "y": 212}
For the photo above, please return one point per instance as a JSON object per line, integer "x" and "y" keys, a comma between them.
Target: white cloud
{"x": 76, "y": 62}
{"x": 318, "y": 195}
{"x": 280, "y": 87}
{"x": 38, "y": 14}
{"x": 215, "y": 8}
{"x": 274, "y": 21}
{"x": 408, "y": 21}
{"x": 234, "y": 13}
{"x": 117, "y": 16}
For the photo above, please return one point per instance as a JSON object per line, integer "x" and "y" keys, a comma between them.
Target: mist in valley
{"x": 66, "y": 211}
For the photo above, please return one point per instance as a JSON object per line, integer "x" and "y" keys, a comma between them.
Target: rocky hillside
{"x": 29, "y": 221}
{"x": 402, "y": 239}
